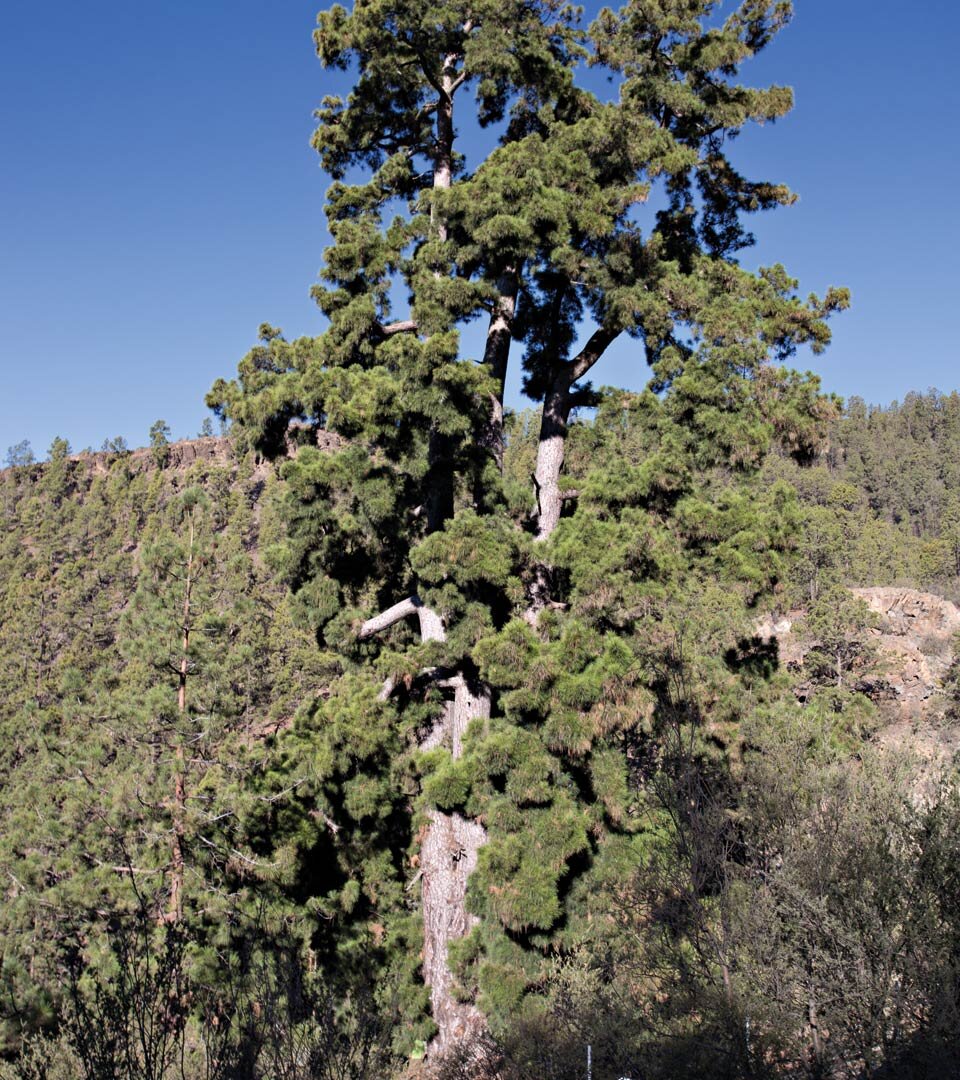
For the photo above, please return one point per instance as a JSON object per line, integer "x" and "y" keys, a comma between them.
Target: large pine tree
{"x": 499, "y": 649}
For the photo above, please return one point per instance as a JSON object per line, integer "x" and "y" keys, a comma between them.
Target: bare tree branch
{"x": 387, "y": 618}
{"x": 599, "y": 341}
{"x": 402, "y": 326}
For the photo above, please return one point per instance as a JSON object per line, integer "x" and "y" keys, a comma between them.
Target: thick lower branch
{"x": 387, "y": 618}
{"x": 431, "y": 624}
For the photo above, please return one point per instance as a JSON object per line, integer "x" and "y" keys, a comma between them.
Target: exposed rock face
{"x": 908, "y": 612}
{"x": 182, "y": 454}
{"x": 914, "y": 636}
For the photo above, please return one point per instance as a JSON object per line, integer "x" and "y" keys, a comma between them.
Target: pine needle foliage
{"x": 503, "y": 647}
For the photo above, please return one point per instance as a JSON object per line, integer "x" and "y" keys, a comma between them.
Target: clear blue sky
{"x": 159, "y": 199}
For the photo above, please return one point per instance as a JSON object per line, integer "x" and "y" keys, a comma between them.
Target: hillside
{"x": 883, "y": 497}
{"x": 401, "y": 736}
{"x": 909, "y": 674}
{"x": 116, "y": 802}
{"x": 96, "y": 785}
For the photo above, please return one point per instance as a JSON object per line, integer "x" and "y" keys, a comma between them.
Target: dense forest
{"x": 747, "y": 854}
{"x": 395, "y": 733}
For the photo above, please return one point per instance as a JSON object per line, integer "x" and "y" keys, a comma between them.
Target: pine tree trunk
{"x": 448, "y": 855}
{"x": 550, "y": 452}
{"x": 443, "y": 161}
{"x": 553, "y": 428}
{"x": 496, "y": 356}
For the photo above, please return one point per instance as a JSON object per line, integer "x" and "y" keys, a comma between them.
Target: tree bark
{"x": 496, "y": 355}
{"x": 553, "y": 430}
{"x": 448, "y": 856}
{"x": 550, "y": 454}
{"x": 443, "y": 160}
{"x": 392, "y": 615}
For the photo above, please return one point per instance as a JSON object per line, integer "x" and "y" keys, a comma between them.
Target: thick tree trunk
{"x": 550, "y": 452}
{"x": 553, "y": 429}
{"x": 443, "y": 160}
{"x": 448, "y": 857}
{"x": 546, "y": 482}
{"x": 448, "y": 853}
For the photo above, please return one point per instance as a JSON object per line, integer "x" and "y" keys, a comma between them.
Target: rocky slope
{"x": 914, "y": 637}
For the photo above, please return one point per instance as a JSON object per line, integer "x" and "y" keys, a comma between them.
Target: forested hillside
{"x": 882, "y": 497}
{"x": 397, "y": 735}
{"x": 126, "y": 808}
{"x": 145, "y": 655}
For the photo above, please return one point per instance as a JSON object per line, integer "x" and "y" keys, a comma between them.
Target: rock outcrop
{"x": 914, "y": 635}
{"x": 180, "y": 455}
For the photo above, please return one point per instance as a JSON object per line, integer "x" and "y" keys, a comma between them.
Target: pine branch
{"x": 402, "y": 326}
{"x": 387, "y": 618}
{"x": 599, "y": 342}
